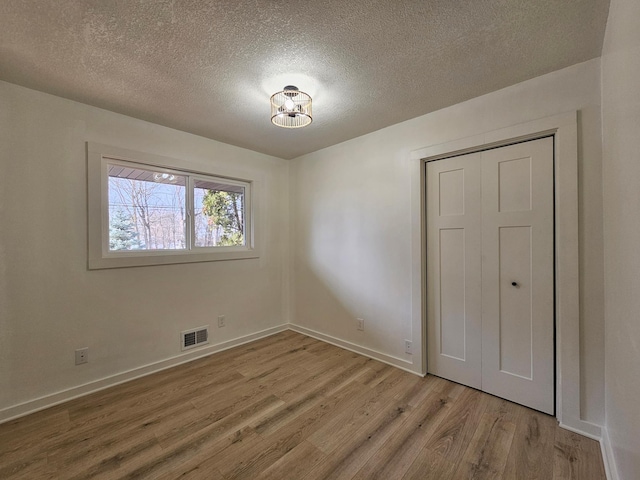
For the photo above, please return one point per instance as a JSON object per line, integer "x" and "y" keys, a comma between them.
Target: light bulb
{"x": 289, "y": 105}
{"x": 159, "y": 177}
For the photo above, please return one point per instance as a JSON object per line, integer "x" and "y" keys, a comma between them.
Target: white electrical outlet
{"x": 360, "y": 323}
{"x": 221, "y": 321}
{"x": 407, "y": 347}
{"x": 82, "y": 355}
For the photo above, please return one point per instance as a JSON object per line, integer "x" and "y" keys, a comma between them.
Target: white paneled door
{"x": 490, "y": 271}
{"x": 454, "y": 250}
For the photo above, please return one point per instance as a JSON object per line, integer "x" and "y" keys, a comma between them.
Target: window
{"x": 151, "y": 211}
{"x": 218, "y": 213}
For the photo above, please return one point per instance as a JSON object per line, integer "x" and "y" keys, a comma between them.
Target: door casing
{"x": 564, "y": 128}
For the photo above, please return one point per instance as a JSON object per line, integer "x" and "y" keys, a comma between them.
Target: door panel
{"x": 452, "y": 314}
{"x": 451, "y": 192}
{"x": 515, "y": 301}
{"x": 517, "y": 247}
{"x": 453, "y": 258}
{"x": 514, "y": 185}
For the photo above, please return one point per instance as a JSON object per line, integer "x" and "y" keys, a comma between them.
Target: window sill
{"x": 125, "y": 260}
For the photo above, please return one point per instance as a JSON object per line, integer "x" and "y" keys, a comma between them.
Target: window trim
{"x": 99, "y": 255}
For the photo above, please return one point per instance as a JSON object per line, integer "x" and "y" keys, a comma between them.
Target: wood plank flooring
{"x": 292, "y": 407}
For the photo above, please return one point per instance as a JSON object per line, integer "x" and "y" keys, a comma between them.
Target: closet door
{"x": 518, "y": 274}
{"x": 490, "y": 272}
{"x": 453, "y": 269}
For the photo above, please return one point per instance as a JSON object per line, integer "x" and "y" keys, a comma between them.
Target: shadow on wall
{"x": 330, "y": 297}
{"x": 351, "y": 260}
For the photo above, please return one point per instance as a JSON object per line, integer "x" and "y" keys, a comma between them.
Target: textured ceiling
{"x": 209, "y": 67}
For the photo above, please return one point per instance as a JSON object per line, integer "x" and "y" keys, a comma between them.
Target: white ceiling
{"x": 209, "y": 67}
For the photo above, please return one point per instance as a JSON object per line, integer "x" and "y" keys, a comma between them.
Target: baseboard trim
{"x": 367, "y": 352}
{"x": 32, "y": 406}
{"x": 587, "y": 429}
{"x": 608, "y": 459}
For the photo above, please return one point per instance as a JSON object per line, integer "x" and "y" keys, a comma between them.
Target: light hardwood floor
{"x": 291, "y": 407}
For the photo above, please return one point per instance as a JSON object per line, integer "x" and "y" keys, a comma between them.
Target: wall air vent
{"x": 194, "y": 338}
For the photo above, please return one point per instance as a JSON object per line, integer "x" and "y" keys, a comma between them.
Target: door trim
{"x": 564, "y": 128}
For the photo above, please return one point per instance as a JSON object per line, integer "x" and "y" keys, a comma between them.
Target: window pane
{"x": 219, "y": 214}
{"x": 146, "y": 209}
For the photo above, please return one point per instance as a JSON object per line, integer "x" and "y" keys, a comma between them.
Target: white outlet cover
{"x": 82, "y": 356}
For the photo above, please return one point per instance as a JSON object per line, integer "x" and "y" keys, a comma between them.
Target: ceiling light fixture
{"x": 163, "y": 177}
{"x": 291, "y": 108}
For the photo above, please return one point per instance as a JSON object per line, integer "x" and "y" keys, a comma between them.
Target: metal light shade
{"x": 291, "y": 108}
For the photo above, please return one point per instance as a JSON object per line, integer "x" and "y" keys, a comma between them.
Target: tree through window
{"x": 222, "y": 209}
{"x": 152, "y": 203}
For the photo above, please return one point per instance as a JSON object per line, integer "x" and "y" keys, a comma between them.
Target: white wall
{"x": 621, "y": 182}
{"x": 50, "y": 304}
{"x": 351, "y": 224}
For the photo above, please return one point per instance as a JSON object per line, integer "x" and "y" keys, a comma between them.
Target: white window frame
{"x": 100, "y": 257}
